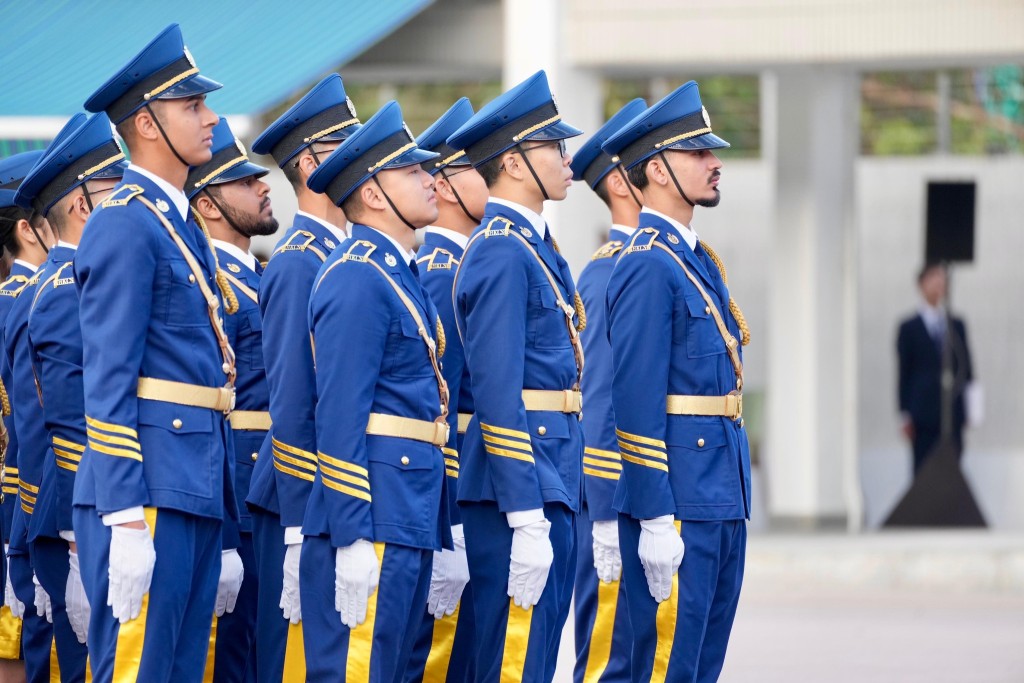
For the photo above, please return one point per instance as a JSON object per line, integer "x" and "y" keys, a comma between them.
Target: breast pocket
{"x": 407, "y": 352}
{"x": 699, "y": 331}
{"x": 545, "y": 320}
{"x": 178, "y": 451}
{"x": 177, "y": 296}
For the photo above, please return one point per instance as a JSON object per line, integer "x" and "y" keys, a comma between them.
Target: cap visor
{"x": 413, "y": 156}
{"x": 113, "y": 171}
{"x": 560, "y": 130}
{"x": 706, "y": 141}
{"x": 243, "y": 170}
{"x": 196, "y": 85}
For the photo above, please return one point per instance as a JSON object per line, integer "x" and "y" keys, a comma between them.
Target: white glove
{"x": 607, "y": 559}
{"x": 356, "y": 575}
{"x": 230, "y": 583}
{"x": 448, "y": 576}
{"x": 76, "y": 601}
{"x": 661, "y": 552}
{"x": 290, "y": 604}
{"x": 10, "y": 599}
{"x": 132, "y": 558}
{"x": 42, "y": 600}
{"x": 530, "y": 562}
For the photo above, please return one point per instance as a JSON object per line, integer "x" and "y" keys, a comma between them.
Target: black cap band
{"x": 80, "y": 171}
{"x": 358, "y": 171}
{"x": 505, "y": 137}
{"x": 227, "y": 158}
{"x": 299, "y": 137}
{"x": 598, "y": 168}
{"x": 690, "y": 125}
{"x": 136, "y": 95}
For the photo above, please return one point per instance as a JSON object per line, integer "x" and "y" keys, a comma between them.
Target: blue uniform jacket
{"x": 245, "y": 332}
{"x": 665, "y": 341}
{"x": 145, "y": 316}
{"x": 371, "y": 359}
{"x": 56, "y": 352}
{"x": 9, "y": 291}
{"x": 285, "y": 468}
{"x": 601, "y": 463}
{"x": 515, "y": 338}
{"x": 438, "y": 260}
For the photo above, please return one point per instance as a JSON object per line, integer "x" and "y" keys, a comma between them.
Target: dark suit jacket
{"x": 920, "y": 374}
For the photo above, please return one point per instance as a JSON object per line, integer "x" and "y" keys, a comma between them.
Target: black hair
{"x": 353, "y": 205}
{"x": 602, "y": 192}
{"x": 490, "y": 169}
{"x": 638, "y": 175}
{"x": 9, "y": 218}
{"x": 928, "y": 267}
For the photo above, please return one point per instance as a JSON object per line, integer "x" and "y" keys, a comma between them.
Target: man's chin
{"x": 711, "y": 202}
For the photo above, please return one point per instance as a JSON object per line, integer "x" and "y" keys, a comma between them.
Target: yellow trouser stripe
{"x": 441, "y": 642}
{"x": 360, "y": 639}
{"x": 10, "y": 634}
{"x": 666, "y": 628}
{"x": 211, "y": 653}
{"x": 517, "y": 637}
{"x": 130, "y": 635}
{"x": 604, "y": 629}
{"x": 646, "y": 463}
{"x": 54, "y": 662}
{"x": 294, "y": 656}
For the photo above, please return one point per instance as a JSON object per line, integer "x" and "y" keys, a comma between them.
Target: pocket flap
{"x": 176, "y": 418}
{"x": 403, "y": 454}
{"x": 697, "y": 306}
{"x": 695, "y": 433}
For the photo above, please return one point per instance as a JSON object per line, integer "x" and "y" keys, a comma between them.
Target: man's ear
{"x": 513, "y": 164}
{"x": 615, "y": 184}
{"x": 306, "y": 164}
{"x": 657, "y": 172}
{"x": 443, "y": 189}
{"x": 372, "y": 197}
{"x": 145, "y": 124}
{"x": 80, "y": 207}
{"x": 207, "y": 209}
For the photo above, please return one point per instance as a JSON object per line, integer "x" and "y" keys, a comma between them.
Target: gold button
{"x": 226, "y": 368}
{"x": 707, "y": 310}
{"x": 700, "y": 443}
{"x": 176, "y": 423}
{"x": 254, "y": 456}
{"x": 542, "y": 430}
{"x": 192, "y": 278}
{"x": 405, "y": 459}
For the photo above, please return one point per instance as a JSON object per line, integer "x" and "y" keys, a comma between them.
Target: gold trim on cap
{"x": 100, "y": 166}
{"x": 391, "y": 157}
{"x": 444, "y": 162}
{"x": 167, "y": 84}
{"x": 684, "y": 136}
{"x": 223, "y": 167}
{"x": 534, "y": 129}
{"x": 327, "y": 131}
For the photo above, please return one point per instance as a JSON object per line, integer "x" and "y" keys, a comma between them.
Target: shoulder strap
{"x": 53, "y": 278}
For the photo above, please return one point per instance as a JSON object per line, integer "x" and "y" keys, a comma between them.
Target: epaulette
{"x": 305, "y": 241}
{"x": 122, "y": 195}
{"x": 22, "y": 280}
{"x": 58, "y": 280}
{"x": 642, "y": 240}
{"x": 439, "y": 259}
{"x": 503, "y": 231}
{"x": 359, "y": 251}
{"x": 607, "y": 250}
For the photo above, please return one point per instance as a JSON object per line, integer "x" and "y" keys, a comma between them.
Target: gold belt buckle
{"x": 441, "y": 432}
{"x": 739, "y": 405}
{"x": 230, "y": 388}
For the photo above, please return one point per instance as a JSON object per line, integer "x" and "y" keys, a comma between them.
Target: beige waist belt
{"x": 250, "y": 420}
{"x": 730, "y": 405}
{"x": 464, "y": 419}
{"x": 407, "y": 428}
{"x": 214, "y": 398}
{"x": 565, "y": 401}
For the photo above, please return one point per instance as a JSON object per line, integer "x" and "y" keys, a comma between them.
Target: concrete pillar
{"x": 810, "y": 128}
{"x": 535, "y": 38}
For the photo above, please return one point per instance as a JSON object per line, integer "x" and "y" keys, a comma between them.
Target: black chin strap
{"x": 629, "y": 185}
{"x": 46, "y": 249}
{"x": 522, "y": 153}
{"x": 224, "y": 213}
{"x": 673, "y": 176}
{"x": 166, "y": 139}
{"x": 392, "y": 205}
{"x": 459, "y": 199}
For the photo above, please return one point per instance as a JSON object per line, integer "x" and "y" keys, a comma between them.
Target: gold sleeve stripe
{"x": 119, "y": 452}
{"x": 293, "y": 450}
{"x": 301, "y": 464}
{"x": 28, "y": 487}
{"x": 348, "y": 490}
{"x": 601, "y": 474}
{"x": 626, "y": 446}
{"x": 61, "y": 453}
{"x": 67, "y": 466}
{"x": 28, "y": 498}
{"x": 12, "y": 490}
{"x": 454, "y": 474}
{"x": 515, "y": 455}
{"x": 11, "y": 470}
{"x": 450, "y": 452}
{"x": 26, "y": 509}
{"x": 328, "y": 471}
{"x": 64, "y": 443}
{"x": 646, "y": 463}
{"x": 295, "y": 473}
{"x": 505, "y": 432}
{"x": 602, "y": 463}
{"x": 342, "y": 465}
{"x": 113, "y": 440}
{"x": 110, "y": 427}
{"x": 640, "y": 439}
{"x": 611, "y": 455}
{"x": 505, "y": 442}
{"x": 448, "y": 462}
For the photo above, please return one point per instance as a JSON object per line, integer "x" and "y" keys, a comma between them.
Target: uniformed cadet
{"x": 155, "y": 479}
{"x": 521, "y": 462}
{"x": 228, "y": 196}
{"x": 603, "y": 636}
{"x": 23, "y": 234}
{"x": 444, "y": 649}
{"x": 675, "y": 332}
{"x": 299, "y": 140}
{"x": 378, "y": 509}
{"x": 78, "y": 172}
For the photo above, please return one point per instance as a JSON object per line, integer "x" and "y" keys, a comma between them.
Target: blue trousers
{"x": 685, "y": 637}
{"x": 37, "y": 646}
{"x": 51, "y": 563}
{"x": 170, "y": 639}
{"x": 234, "y": 658}
{"x": 377, "y": 650}
{"x": 444, "y": 648}
{"x": 604, "y": 638}
{"x": 517, "y": 644}
{"x": 280, "y": 654}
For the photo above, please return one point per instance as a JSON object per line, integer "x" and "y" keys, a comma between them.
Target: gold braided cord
{"x": 5, "y": 401}
{"x": 533, "y": 129}
{"x": 684, "y": 136}
{"x": 577, "y": 301}
{"x": 444, "y": 162}
{"x": 441, "y": 342}
{"x": 391, "y": 157}
{"x": 734, "y": 308}
{"x": 220, "y": 169}
{"x": 167, "y": 84}
{"x": 327, "y": 131}
{"x": 102, "y": 165}
{"x": 230, "y": 300}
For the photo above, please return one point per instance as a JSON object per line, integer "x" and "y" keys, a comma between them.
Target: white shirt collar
{"x": 933, "y": 316}
{"x": 536, "y": 220}
{"x": 62, "y": 243}
{"x": 409, "y": 255}
{"x": 622, "y": 228}
{"x": 175, "y": 194}
{"x": 686, "y": 231}
{"x": 457, "y": 237}
{"x": 243, "y": 256}
{"x": 26, "y": 264}
{"x": 339, "y": 234}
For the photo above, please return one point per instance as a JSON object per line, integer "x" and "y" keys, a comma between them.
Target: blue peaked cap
{"x": 526, "y": 112}
{"x": 228, "y": 163}
{"x": 435, "y": 138}
{"x": 163, "y": 70}
{"x": 325, "y": 113}
{"x": 384, "y": 142}
{"x": 83, "y": 150}
{"x": 591, "y": 163}
{"x": 678, "y": 121}
{"x": 13, "y": 170}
